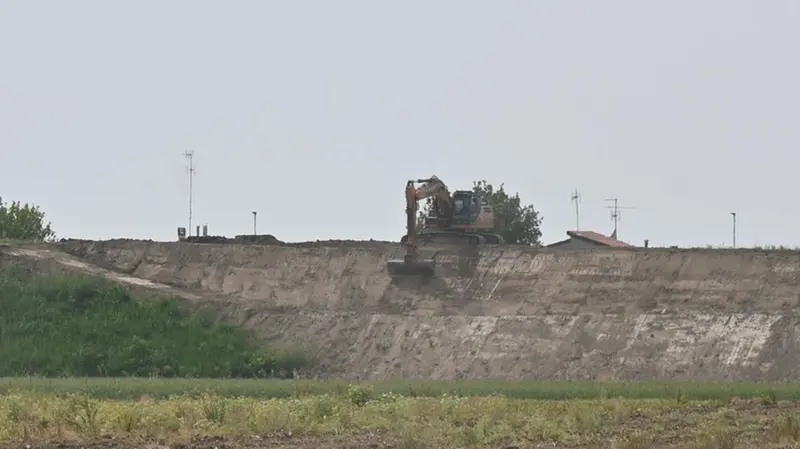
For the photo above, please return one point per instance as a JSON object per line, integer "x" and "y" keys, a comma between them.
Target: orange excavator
{"x": 463, "y": 218}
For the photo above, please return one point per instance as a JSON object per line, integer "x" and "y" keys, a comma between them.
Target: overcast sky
{"x": 316, "y": 113}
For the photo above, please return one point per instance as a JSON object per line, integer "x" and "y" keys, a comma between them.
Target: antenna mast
{"x": 576, "y": 198}
{"x": 190, "y": 155}
{"x": 615, "y": 214}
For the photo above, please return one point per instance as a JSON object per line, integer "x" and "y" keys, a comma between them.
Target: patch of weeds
{"x": 303, "y": 390}
{"x": 603, "y": 395}
{"x": 636, "y": 441}
{"x": 726, "y": 414}
{"x": 214, "y": 409}
{"x": 680, "y": 396}
{"x": 128, "y": 420}
{"x": 185, "y": 414}
{"x": 359, "y": 394}
{"x": 581, "y": 418}
{"x": 618, "y": 409}
{"x": 81, "y": 413}
{"x": 719, "y": 438}
{"x": 770, "y": 398}
{"x": 482, "y": 432}
{"x": 322, "y": 407}
{"x": 786, "y": 429}
{"x": 413, "y": 435}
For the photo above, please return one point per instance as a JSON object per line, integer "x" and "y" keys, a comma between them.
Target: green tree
{"x": 518, "y": 224}
{"x": 23, "y": 222}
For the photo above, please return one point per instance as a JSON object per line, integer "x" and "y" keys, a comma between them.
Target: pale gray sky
{"x": 315, "y": 113}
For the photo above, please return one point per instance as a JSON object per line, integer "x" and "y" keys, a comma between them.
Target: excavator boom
{"x": 411, "y": 263}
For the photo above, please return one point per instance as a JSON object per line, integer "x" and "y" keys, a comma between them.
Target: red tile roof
{"x": 596, "y": 237}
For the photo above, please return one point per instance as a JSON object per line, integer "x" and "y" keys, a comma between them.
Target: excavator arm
{"x": 432, "y": 187}
{"x": 435, "y": 189}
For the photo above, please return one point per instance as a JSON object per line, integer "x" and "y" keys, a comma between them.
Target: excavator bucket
{"x": 419, "y": 267}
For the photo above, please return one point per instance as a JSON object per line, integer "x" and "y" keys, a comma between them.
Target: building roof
{"x": 598, "y": 238}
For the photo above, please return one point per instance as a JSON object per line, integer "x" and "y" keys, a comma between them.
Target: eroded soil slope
{"x": 507, "y": 312}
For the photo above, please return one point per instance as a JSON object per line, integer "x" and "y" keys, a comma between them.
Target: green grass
{"x": 87, "y": 326}
{"x": 131, "y": 388}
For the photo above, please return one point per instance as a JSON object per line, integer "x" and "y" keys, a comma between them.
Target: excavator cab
{"x": 469, "y": 211}
{"x": 466, "y": 208}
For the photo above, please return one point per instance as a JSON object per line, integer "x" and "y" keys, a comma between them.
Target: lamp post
{"x": 254, "y": 222}
{"x": 733, "y": 214}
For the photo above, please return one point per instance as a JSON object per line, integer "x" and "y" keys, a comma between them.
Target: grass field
{"x": 134, "y": 388}
{"x": 358, "y": 418}
{"x": 207, "y": 413}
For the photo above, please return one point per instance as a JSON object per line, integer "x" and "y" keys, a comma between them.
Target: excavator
{"x": 463, "y": 218}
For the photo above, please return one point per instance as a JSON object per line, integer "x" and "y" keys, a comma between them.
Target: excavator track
{"x": 428, "y": 237}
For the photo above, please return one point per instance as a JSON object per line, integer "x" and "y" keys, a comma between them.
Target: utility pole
{"x": 734, "y": 228}
{"x": 190, "y": 155}
{"x": 254, "y": 222}
{"x": 576, "y": 198}
{"x": 615, "y": 214}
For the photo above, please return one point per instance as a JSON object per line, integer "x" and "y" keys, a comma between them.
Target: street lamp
{"x": 734, "y": 228}
{"x": 254, "y": 222}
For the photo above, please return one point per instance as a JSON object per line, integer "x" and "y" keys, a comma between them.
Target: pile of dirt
{"x": 249, "y": 239}
{"x": 252, "y": 239}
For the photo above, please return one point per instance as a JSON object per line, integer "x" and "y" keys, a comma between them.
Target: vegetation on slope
{"x": 84, "y": 326}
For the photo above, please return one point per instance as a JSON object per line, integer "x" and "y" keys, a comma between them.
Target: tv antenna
{"x": 616, "y": 214}
{"x": 190, "y": 155}
{"x": 576, "y": 198}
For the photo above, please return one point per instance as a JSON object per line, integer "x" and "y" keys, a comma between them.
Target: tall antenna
{"x": 576, "y": 198}
{"x": 615, "y": 214}
{"x": 190, "y": 155}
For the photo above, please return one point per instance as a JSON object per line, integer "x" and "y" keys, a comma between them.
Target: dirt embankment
{"x": 506, "y": 312}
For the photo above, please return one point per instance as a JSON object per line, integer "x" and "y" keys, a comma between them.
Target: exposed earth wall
{"x": 506, "y": 312}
